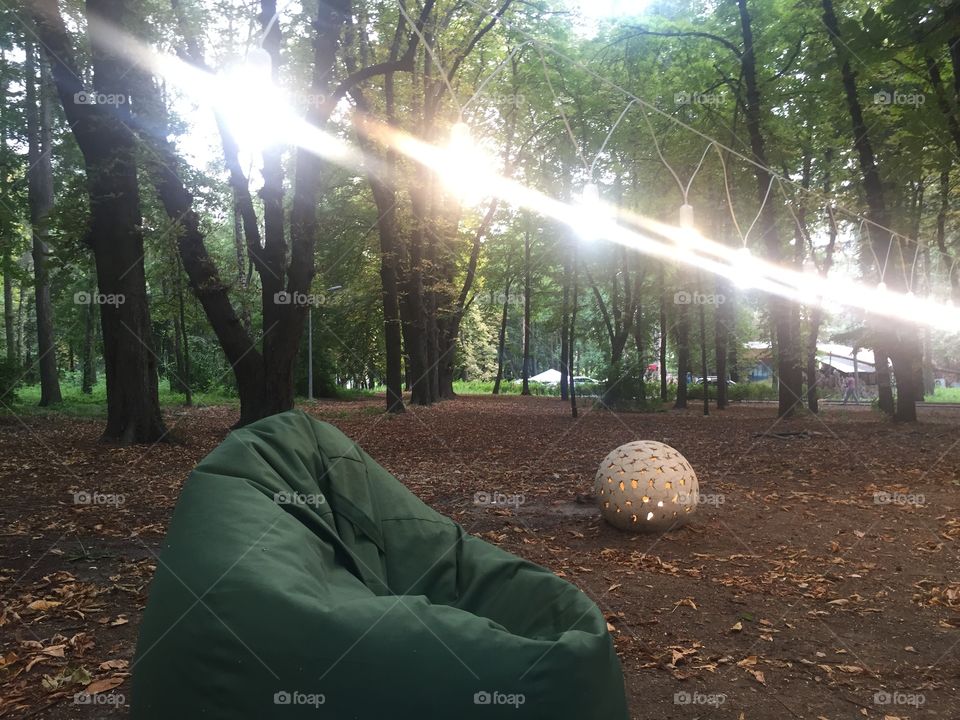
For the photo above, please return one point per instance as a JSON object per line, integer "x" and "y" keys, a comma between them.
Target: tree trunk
{"x": 901, "y": 343}
{"x": 5, "y": 258}
{"x": 783, "y": 312}
{"x": 571, "y": 359}
{"x": 278, "y": 362}
{"x": 502, "y": 336}
{"x": 88, "y": 358}
{"x": 816, "y": 315}
{"x": 8, "y": 314}
{"x": 181, "y": 326}
{"x": 109, "y": 151}
{"x": 683, "y": 353}
{"x": 942, "y": 211}
{"x": 723, "y": 317}
{"x": 526, "y": 313}
{"x": 265, "y": 381}
{"x": 664, "y": 328}
{"x": 391, "y": 324}
{"x": 40, "y": 200}
{"x": 565, "y": 332}
{"x": 703, "y": 353}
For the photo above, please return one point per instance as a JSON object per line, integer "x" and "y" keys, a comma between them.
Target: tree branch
{"x": 691, "y": 33}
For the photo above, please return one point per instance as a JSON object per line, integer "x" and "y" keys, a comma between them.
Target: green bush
{"x": 11, "y": 377}
{"x": 625, "y": 387}
{"x": 735, "y": 393}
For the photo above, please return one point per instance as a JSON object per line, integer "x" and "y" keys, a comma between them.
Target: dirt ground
{"x": 822, "y": 581}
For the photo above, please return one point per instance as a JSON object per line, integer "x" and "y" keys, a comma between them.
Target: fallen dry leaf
{"x": 105, "y": 685}
{"x": 119, "y": 664}
{"x": 41, "y": 605}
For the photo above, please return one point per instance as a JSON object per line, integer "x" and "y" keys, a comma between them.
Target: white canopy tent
{"x": 547, "y": 377}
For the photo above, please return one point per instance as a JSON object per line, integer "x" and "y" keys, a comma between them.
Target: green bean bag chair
{"x": 299, "y": 579}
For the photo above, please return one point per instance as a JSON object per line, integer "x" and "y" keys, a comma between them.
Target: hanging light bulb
{"x": 745, "y": 267}
{"x": 460, "y": 137}
{"x": 592, "y": 221}
{"x": 591, "y": 195}
{"x": 687, "y": 236}
{"x": 881, "y": 286}
{"x": 259, "y": 65}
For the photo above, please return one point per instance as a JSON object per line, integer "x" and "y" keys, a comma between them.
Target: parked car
{"x": 712, "y": 379}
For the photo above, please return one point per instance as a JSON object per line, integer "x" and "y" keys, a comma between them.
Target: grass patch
{"x": 79, "y": 404}
{"x": 943, "y": 395}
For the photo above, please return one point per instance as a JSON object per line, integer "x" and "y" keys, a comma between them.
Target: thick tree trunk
{"x": 900, "y": 343}
{"x": 265, "y": 381}
{"x": 391, "y": 319}
{"x": 109, "y": 151}
{"x": 414, "y": 316}
{"x": 783, "y": 312}
{"x": 40, "y": 200}
{"x": 279, "y": 318}
{"x": 414, "y": 309}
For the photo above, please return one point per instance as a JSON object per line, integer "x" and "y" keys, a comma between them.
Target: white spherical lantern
{"x": 646, "y": 486}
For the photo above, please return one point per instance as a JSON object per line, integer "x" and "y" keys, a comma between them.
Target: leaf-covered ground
{"x": 803, "y": 594}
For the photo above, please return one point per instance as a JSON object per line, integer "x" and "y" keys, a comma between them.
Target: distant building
{"x": 833, "y": 360}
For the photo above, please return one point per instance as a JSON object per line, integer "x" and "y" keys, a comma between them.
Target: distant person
{"x": 850, "y": 390}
